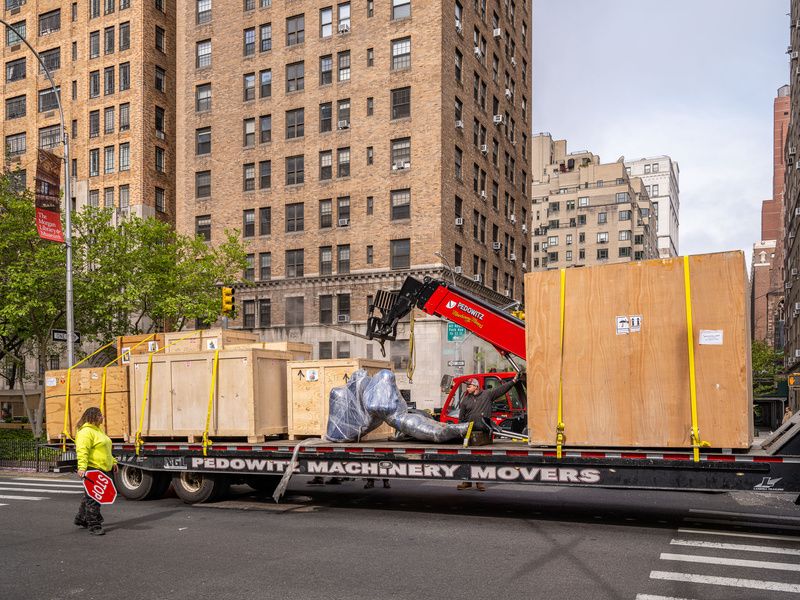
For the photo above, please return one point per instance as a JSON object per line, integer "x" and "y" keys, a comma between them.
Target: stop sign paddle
{"x": 100, "y": 487}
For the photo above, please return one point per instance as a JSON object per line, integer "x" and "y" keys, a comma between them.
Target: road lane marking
{"x": 48, "y": 480}
{"x": 22, "y": 498}
{"x": 731, "y": 562}
{"x": 753, "y": 584}
{"x": 40, "y": 490}
{"x": 746, "y": 515}
{"x": 3, "y": 504}
{"x": 742, "y": 547}
{"x": 760, "y": 536}
{"x": 46, "y": 485}
{"x": 652, "y": 597}
{"x": 728, "y": 522}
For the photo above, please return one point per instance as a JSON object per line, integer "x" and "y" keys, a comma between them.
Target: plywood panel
{"x": 205, "y": 340}
{"x": 633, "y": 389}
{"x": 299, "y": 351}
{"x": 131, "y": 343}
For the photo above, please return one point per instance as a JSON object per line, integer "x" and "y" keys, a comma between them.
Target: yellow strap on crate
{"x": 469, "y": 434}
{"x": 211, "y": 394}
{"x": 105, "y": 373}
{"x": 697, "y": 443}
{"x": 138, "y": 442}
{"x": 560, "y": 437}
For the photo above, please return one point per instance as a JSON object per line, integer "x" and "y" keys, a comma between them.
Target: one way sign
{"x": 60, "y": 335}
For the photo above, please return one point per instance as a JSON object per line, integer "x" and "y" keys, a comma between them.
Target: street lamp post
{"x": 68, "y": 200}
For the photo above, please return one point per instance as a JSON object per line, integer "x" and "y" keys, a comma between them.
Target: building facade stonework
{"x": 661, "y": 178}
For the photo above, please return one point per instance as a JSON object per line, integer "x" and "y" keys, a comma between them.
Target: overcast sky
{"x": 693, "y": 79}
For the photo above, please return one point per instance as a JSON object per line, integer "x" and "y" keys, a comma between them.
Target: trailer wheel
{"x": 137, "y": 484}
{"x": 264, "y": 484}
{"x": 192, "y": 487}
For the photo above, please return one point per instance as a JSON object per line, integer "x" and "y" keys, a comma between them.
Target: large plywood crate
{"x": 250, "y": 398}
{"x": 298, "y": 350}
{"x": 625, "y": 360}
{"x": 206, "y": 340}
{"x": 310, "y": 384}
{"x": 136, "y": 344}
{"x": 85, "y": 392}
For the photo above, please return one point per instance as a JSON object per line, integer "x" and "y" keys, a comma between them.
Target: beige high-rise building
{"x": 354, "y": 144}
{"x": 114, "y": 64}
{"x": 585, "y": 212}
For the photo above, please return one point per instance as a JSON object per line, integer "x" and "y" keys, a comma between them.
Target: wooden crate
{"x": 250, "y": 400}
{"x": 310, "y": 383}
{"x": 85, "y": 391}
{"x": 298, "y": 350}
{"x": 127, "y": 342}
{"x": 633, "y": 389}
{"x": 205, "y": 340}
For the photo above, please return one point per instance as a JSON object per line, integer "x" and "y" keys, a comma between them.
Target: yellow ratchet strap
{"x": 105, "y": 373}
{"x": 412, "y": 358}
{"x": 469, "y": 433}
{"x": 211, "y": 394}
{"x": 560, "y": 437}
{"x": 65, "y": 431}
{"x": 138, "y": 442}
{"x": 697, "y": 443}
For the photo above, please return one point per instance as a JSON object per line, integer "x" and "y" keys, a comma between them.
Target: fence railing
{"x": 29, "y": 455}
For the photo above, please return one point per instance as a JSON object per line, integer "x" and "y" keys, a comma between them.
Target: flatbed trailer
{"x": 774, "y": 466}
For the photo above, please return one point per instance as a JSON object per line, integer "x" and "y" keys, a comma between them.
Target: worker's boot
{"x": 370, "y": 483}
{"x": 317, "y": 481}
{"x": 481, "y": 487}
{"x": 464, "y": 485}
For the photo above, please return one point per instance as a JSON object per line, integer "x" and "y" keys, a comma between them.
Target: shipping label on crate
{"x": 211, "y": 344}
{"x": 50, "y": 382}
{"x": 312, "y": 375}
{"x": 711, "y": 337}
{"x": 629, "y": 324}
{"x": 126, "y": 356}
{"x": 152, "y": 346}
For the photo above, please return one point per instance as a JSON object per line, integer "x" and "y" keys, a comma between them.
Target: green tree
{"x": 766, "y": 364}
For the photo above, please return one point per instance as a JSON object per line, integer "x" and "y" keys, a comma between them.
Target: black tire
{"x": 194, "y": 487}
{"x": 137, "y": 484}
{"x": 264, "y": 484}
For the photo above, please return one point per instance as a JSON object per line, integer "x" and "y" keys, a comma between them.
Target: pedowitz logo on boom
{"x": 451, "y": 304}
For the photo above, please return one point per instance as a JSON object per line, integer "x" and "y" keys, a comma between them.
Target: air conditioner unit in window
{"x": 484, "y": 149}
{"x": 509, "y": 95}
{"x": 477, "y": 278}
{"x": 344, "y": 318}
{"x": 507, "y": 292}
{"x": 794, "y": 272}
{"x": 496, "y": 246}
{"x": 797, "y": 353}
{"x": 459, "y": 124}
{"x": 483, "y": 195}
{"x": 478, "y": 52}
{"x": 788, "y": 285}
{"x": 459, "y": 28}
{"x": 344, "y": 222}
{"x": 795, "y": 54}
{"x": 400, "y": 166}
{"x": 459, "y": 221}
{"x": 513, "y": 62}
{"x": 797, "y": 305}
{"x": 458, "y": 270}
{"x": 524, "y": 228}
{"x": 797, "y": 212}
{"x": 512, "y": 257}
{"x": 344, "y": 27}
{"x": 545, "y": 246}
{"x": 792, "y": 149}
{"x": 160, "y": 135}
{"x": 512, "y": 218}
{"x": 343, "y": 124}
{"x": 497, "y": 33}
{"x": 524, "y": 265}
{"x": 497, "y": 119}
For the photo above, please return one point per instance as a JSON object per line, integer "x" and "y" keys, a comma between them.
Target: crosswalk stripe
{"x": 653, "y": 597}
{"x": 22, "y": 498}
{"x": 48, "y": 480}
{"x": 3, "y": 504}
{"x": 760, "y": 536}
{"x": 753, "y": 584}
{"x": 45, "y": 485}
{"x": 40, "y": 490}
{"x": 742, "y": 547}
{"x": 732, "y": 562}
{"x": 728, "y": 522}
{"x": 746, "y": 515}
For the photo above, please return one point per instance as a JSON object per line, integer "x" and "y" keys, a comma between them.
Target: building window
{"x": 94, "y": 162}
{"x": 203, "y": 11}
{"x": 203, "y": 54}
{"x": 248, "y": 308}
{"x": 249, "y": 177}
{"x": 108, "y": 40}
{"x": 325, "y": 69}
{"x": 325, "y": 165}
{"x": 161, "y": 204}
{"x": 203, "y": 141}
{"x": 295, "y": 123}
{"x": 343, "y": 306}
{"x": 94, "y": 123}
{"x": 124, "y": 156}
{"x": 124, "y": 76}
{"x": 325, "y": 117}
{"x": 265, "y": 220}
{"x": 602, "y": 237}
{"x": 12, "y": 39}
{"x": 294, "y": 263}
{"x": 401, "y": 9}
{"x": 161, "y": 36}
{"x": 294, "y": 312}
{"x": 160, "y": 79}
{"x": 343, "y": 259}
{"x": 401, "y": 53}
{"x": 326, "y": 301}
{"x": 295, "y": 30}
{"x": 202, "y": 227}
{"x": 202, "y": 184}
{"x": 94, "y": 198}
{"x": 15, "y": 107}
{"x": 344, "y": 65}
{"x": 624, "y": 215}
{"x": 295, "y": 217}
{"x": 249, "y": 86}
{"x": 16, "y": 144}
{"x": 49, "y": 137}
{"x": 325, "y": 214}
{"x": 15, "y": 70}
{"x": 401, "y": 204}
{"x": 124, "y": 117}
{"x": 602, "y": 254}
{"x": 264, "y": 313}
{"x": 343, "y": 208}
{"x": 370, "y": 57}
{"x": 265, "y": 174}
{"x": 249, "y": 223}
{"x": 342, "y": 349}
{"x": 400, "y": 253}
{"x": 370, "y": 155}
{"x": 249, "y": 133}
{"x": 295, "y": 77}
{"x": 249, "y": 41}
{"x": 202, "y": 96}
{"x": 108, "y": 197}
{"x": 51, "y": 59}
{"x": 50, "y": 22}
{"x": 343, "y": 115}
{"x": 602, "y": 218}
{"x": 325, "y": 350}
{"x": 343, "y": 162}
{"x": 295, "y": 168}
{"x": 48, "y": 100}
{"x": 325, "y": 268}
{"x": 401, "y": 103}
{"x": 108, "y": 81}
{"x": 370, "y": 255}
{"x": 326, "y": 22}
{"x": 459, "y": 155}
{"x": 265, "y": 266}
{"x": 401, "y": 153}
{"x": 249, "y": 5}
{"x": 161, "y": 160}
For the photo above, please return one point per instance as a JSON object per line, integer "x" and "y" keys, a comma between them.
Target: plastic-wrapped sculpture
{"x": 365, "y": 402}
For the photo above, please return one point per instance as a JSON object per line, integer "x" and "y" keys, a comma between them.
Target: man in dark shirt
{"x": 477, "y": 404}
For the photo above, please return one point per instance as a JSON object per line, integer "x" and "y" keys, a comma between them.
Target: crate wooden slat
{"x": 127, "y": 342}
{"x": 205, "y": 340}
{"x": 310, "y": 383}
{"x": 633, "y": 389}
{"x": 250, "y": 400}
{"x": 85, "y": 391}
{"x": 298, "y": 350}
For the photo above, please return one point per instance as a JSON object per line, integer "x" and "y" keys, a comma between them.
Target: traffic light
{"x": 227, "y": 300}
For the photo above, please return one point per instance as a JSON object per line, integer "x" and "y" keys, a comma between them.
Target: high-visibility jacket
{"x": 93, "y": 448}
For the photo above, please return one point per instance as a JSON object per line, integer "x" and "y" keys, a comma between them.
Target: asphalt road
{"x": 415, "y": 540}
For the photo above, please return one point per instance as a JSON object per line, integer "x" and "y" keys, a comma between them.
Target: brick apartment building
{"x": 354, "y": 144}
{"x": 584, "y": 212}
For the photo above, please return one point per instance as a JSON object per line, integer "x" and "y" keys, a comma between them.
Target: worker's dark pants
{"x": 89, "y": 510}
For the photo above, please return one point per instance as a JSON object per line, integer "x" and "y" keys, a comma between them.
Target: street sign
{"x": 60, "y": 335}
{"x": 456, "y": 363}
{"x": 99, "y": 486}
{"x": 455, "y": 332}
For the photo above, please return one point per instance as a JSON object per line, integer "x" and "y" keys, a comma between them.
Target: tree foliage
{"x": 766, "y": 364}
